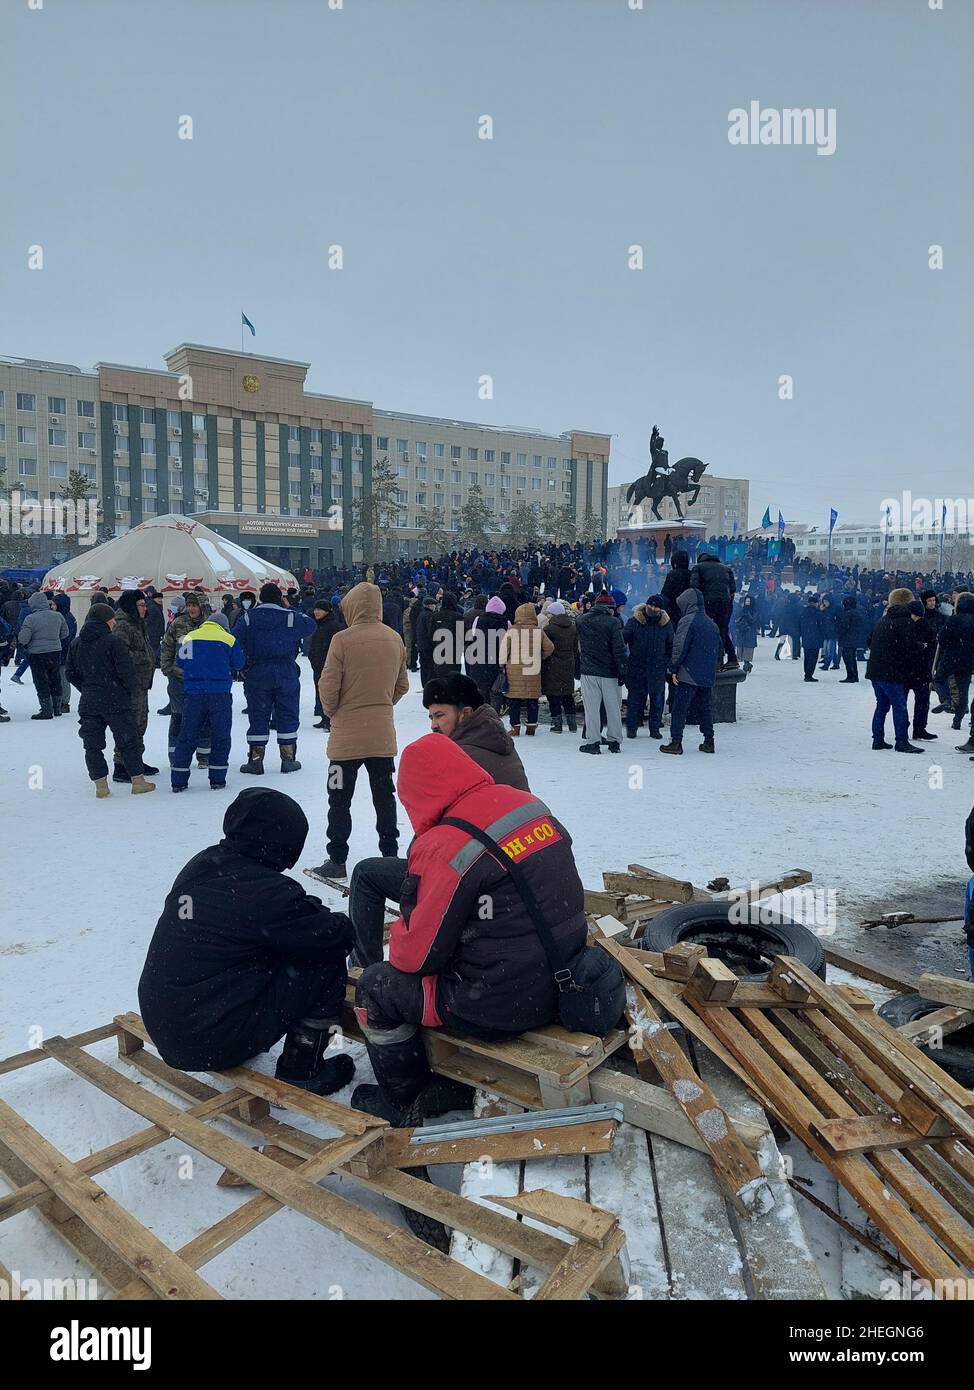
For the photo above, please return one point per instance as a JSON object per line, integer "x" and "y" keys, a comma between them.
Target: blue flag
{"x": 781, "y": 524}
{"x": 833, "y": 518}
{"x": 766, "y": 519}
{"x": 247, "y": 324}
{"x": 735, "y": 526}
{"x": 943, "y": 517}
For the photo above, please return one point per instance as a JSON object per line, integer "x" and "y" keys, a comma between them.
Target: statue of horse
{"x": 684, "y": 478}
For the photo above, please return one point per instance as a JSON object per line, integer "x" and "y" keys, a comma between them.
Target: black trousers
{"x": 342, "y": 776}
{"x": 387, "y": 999}
{"x": 721, "y": 613}
{"x": 561, "y": 706}
{"x": 531, "y": 707}
{"x": 849, "y": 661}
{"x": 374, "y": 882}
{"x": 921, "y": 705}
{"x": 811, "y": 657}
{"x": 45, "y": 670}
{"x": 128, "y": 742}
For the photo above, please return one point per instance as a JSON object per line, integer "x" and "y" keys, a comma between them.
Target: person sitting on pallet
{"x": 243, "y": 956}
{"x": 466, "y": 953}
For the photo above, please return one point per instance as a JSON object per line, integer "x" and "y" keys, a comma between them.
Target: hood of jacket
{"x": 37, "y": 603}
{"x": 646, "y": 613}
{"x": 560, "y": 620}
{"x": 266, "y": 825}
{"x": 526, "y": 615}
{"x": 62, "y": 603}
{"x": 689, "y": 599}
{"x": 483, "y": 729}
{"x": 363, "y": 604}
{"x": 965, "y": 603}
{"x": 434, "y": 773}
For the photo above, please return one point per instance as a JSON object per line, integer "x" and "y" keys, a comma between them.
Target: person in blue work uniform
{"x": 271, "y": 635}
{"x": 207, "y": 656}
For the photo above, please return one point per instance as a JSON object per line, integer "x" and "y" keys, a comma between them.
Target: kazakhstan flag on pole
{"x": 766, "y": 519}
{"x": 245, "y": 323}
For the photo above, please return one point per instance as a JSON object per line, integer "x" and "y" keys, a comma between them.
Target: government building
{"x": 236, "y": 441}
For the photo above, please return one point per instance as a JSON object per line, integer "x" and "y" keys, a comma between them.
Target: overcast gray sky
{"x": 359, "y": 127}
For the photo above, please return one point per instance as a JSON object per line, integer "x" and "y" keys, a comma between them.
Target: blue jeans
{"x": 890, "y": 695}
{"x": 830, "y": 652}
{"x": 657, "y": 700}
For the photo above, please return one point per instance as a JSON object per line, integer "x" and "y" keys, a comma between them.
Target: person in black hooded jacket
{"x": 955, "y": 653}
{"x": 675, "y": 582}
{"x": 848, "y": 632}
{"x": 99, "y": 665}
{"x": 328, "y": 621}
{"x": 242, "y": 955}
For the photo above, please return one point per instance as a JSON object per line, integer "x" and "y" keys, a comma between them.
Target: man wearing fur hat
{"x": 130, "y": 628}
{"x": 895, "y": 658}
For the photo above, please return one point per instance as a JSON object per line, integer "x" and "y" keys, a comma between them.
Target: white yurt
{"x": 173, "y": 553}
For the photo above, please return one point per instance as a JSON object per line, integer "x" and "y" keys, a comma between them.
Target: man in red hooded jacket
{"x": 465, "y": 953}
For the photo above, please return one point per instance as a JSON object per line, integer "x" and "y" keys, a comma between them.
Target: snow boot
{"x": 166, "y": 709}
{"x": 708, "y": 746}
{"x": 16, "y": 680}
{"x": 656, "y": 733}
{"x": 572, "y": 723}
{"x": 555, "y": 726}
{"x": 148, "y": 770}
{"x": 102, "y": 789}
{"x": 515, "y": 731}
{"x": 255, "y": 760}
{"x": 321, "y": 724}
{"x": 956, "y": 723}
{"x": 813, "y": 680}
{"x": 748, "y": 667}
{"x": 303, "y": 1061}
{"x": 140, "y": 786}
{"x": 614, "y": 747}
{"x": 630, "y": 733}
{"x": 4, "y": 717}
{"x": 46, "y": 711}
{"x": 926, "y": 736}
{"x": 119, "y": 774}
{"x": 967, "y": 747}
{"x": 591, "y": 748}
{"x": 879, "y": 743}
{"x": 942, "y": 709}
{"x": 531, "y": 730}
{"x": 904, "y": 746}
{"x": 289, "y": 762}
{"x": 183, "y": 787}
{"x": 202, "y": 760}
{"x": 329, "y": 869}
{"x": 674, "y": 746}
{"x": 406, "y": 1086}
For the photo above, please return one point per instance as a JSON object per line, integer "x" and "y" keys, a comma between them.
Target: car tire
{"x": 748, "y": 948}
{"x": 957, "y": 1054}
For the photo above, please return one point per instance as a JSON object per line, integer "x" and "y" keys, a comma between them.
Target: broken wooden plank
{"x": 783, "y": 982}
{"x": 944, "y": 990}
{"x": 574, "y": 1276}
{"x": 37, "y": 1054}
{"x": 938, "y": 1024}
{"x": 143, "y": 1252}
{"x": 399, "y": 1152}
{"x": 767, "y": 887}
{"x": 599, "y": 904}
{"x": 656, "y": 885}
{"x": 653, "y": 1109}
{"x": 862, "y": 1133}
{"x": 734, "y": 1166}
{"x": 581, "y": 1219}
{"x": 887, "y": 975}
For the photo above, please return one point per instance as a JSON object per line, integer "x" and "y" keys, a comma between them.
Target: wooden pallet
{"x": 894, "y": 1129}
{"x": 131, "y": 1261}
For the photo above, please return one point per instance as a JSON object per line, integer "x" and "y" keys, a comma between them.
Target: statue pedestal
{"x": 724, "y": 698}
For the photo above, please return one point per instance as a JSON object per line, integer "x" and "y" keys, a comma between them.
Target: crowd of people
{"x": 491, "y": 634}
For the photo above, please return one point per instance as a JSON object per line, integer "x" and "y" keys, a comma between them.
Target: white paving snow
{"x": 794, "y": 784}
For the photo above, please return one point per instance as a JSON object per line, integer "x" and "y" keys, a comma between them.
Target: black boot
{"x": 255, "y": 760}
{"x": 904, "y": 746}
{"x": 329, "y": 869}
{"x": 401, "y": 1072}
{"x": 571, "y": 723}
{"x": 708, "y": 746}
{"x": 303, "y": 1062}
{"x": 289, "y": 761}
{"x": 556, "y": 725}
{"x": 879, "y": 743}
{"x": 119, "y": 774}
{"x": 674, "y": 746}
{"x": 590, "y": 748}
{"x": 656, "y": 733}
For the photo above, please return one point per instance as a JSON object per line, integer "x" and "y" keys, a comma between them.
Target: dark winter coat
{"x": 955, "y": 654}
{"x": 392, "y": 613}
{"x": 131, "y": 631}
{"x": 482, "y": 649}
{"x": 155, "y": 624}
{"x": 482, "y": 736}
{"x": 675, "y": 583}
{"x": 811, "y": 627}
{"x": 649, "y": 636}
{"x": 602, "y": 649}
{"x": 325, "y": 629}
{"x": 223, "y": 974}
{"x": 489, "y": 970}
{"x": 63, "y": 605}
{"x": 558, "y": 669}
{"x": 100, "y": 667}
{"x": 714, "y": 580}
{"x": 746, "y": 624}
{"x": 849, "y": 627}
{"x": 895, "y": 648}
{"x": 697, "y": 644}
{"x": 447, "y": 635}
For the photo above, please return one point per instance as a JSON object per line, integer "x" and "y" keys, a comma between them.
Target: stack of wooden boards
{"x": 286, "y": 1168}
{"x": 893, "y": 1128}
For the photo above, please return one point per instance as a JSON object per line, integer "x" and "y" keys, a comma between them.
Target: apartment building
{"x": 236, "y": 440}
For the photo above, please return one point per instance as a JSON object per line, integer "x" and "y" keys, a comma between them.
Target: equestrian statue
{"x": 663, "y": 481}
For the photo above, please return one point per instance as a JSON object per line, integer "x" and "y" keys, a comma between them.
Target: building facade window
{"x": 149, "y": 477}
{"x": 439, "y": 451}
{"x": 535, "y": 484}
{"x": 148, "y": 444}
{"x": 402, "y": 470}
{"x": 456, "y": 476}
{"x": 522, "y": 460}
{"x": 57, "y": 468}
{"x": 86, "y": 409}
{"x": 58, "y": 438}
{"x": 439, "y": 475}
{"x": 472, "y": 455}
{"x": 147, "y": 415}
{"x": 489, "y": 456}
{"x": 382, "y": 442}
{"x": 25, "y": 400}
{"x": 26, "y": 467}
{"x": 420, "y": 449}
{"x": 505, "y": 458}
{"x": 122, "y": 444}
{"x": 535, "y": 460}
{"x": 86, "y": 439}
{"x": 199, "y": 449}
{"x": 26, "y": 434}
{"x": 175, "y": 449}
{"x": 454, "y": 451}
{"x": 402, "y": 446}
{"x": 120, "y": 413}
{"x": 56, "y": 405}
{"x": 457, "y": 499}
{"x": 421, "y": 473}
{"x": 489, "y": 479}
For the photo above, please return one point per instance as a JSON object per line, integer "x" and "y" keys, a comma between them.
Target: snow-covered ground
{"x": 794, "y": 784}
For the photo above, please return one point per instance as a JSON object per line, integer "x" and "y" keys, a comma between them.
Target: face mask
{"x": 247, "y": 602}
